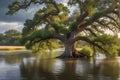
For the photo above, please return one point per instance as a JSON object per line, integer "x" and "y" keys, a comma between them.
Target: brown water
{"x": 26, "y": 67}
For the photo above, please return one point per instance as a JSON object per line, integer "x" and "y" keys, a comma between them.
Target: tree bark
{"x": 70, "y": 51}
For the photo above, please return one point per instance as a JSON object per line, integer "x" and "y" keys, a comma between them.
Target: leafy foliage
{"x": 39, "y": 34}
{"x": 13, "y": 7}
{"x": 60, "y": 28}
{"x": 46, "y": 45}
{"x": 73, "y": 26}
{"x": 110, "y": 43}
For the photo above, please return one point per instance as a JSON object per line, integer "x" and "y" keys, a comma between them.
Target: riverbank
{"x": 2, "y": 48}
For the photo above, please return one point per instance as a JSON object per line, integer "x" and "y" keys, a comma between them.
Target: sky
{"x": 17, "y": 20}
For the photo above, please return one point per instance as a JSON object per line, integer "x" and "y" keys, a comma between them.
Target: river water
{"x": 45, "y": 67}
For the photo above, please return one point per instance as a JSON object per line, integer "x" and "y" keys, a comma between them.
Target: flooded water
{"x": 27, "y": 67}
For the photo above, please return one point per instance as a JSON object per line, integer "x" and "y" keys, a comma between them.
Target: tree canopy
{"x": 54, "y": 20}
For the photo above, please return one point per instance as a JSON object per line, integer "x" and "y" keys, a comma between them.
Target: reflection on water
{"x": 26, "y": 67}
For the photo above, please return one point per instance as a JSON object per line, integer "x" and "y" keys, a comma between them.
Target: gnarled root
{"x": 74, "y": 55}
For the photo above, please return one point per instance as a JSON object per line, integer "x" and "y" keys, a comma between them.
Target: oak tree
{"x": 53, "y": 21}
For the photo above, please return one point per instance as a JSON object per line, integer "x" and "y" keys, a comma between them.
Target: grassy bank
{"x": 12, "y": 48}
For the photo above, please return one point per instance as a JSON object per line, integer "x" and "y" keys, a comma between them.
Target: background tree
{"x": 10, "y": 37}
{"x": 49, "y": 22}
{"x": 1, "y": 36}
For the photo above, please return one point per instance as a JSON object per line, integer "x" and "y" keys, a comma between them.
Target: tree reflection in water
{"x": 47, "y": 69}
{"x": 55, "y": 69}
{"x": 111, "y": 69}
{"x": 35, "y": 68}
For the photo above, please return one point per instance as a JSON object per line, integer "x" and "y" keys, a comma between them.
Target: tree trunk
{"x": 70, "y": 51}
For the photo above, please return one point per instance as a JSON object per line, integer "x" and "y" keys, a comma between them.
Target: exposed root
{"x": 63, "y": 56}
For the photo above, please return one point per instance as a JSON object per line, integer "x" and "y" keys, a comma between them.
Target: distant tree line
{"x": 10, "y": 38}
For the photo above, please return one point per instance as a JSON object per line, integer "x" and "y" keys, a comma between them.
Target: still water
{"x": 32, "y": 67}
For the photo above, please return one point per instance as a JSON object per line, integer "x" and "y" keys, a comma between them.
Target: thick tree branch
{"x": 91, "y": 31}
{"x": 46, "y": 15}
{"x": 54, "y": 36}
{"x": 90, "y": 42}
{"x": 109, "y": 25}
{"x": 93, "y": 18}
{"x": 58, "y": 36}
{"x": 116, "y": 21}
{"x": 96, "y": 27}
{"x": 103, "y": 24}
{"x": 79, "y": 20}
{"x": 16, "y": 7}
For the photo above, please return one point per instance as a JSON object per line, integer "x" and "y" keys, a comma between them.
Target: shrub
{"x": 86, "y": 51}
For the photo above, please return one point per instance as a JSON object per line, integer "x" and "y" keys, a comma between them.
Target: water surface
{"x": 29, "y": 67}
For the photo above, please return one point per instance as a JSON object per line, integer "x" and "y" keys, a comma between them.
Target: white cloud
{"x": 10, "y": 25}
{"x": 119, "y": 35}
{"x": 65, "y": 2}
